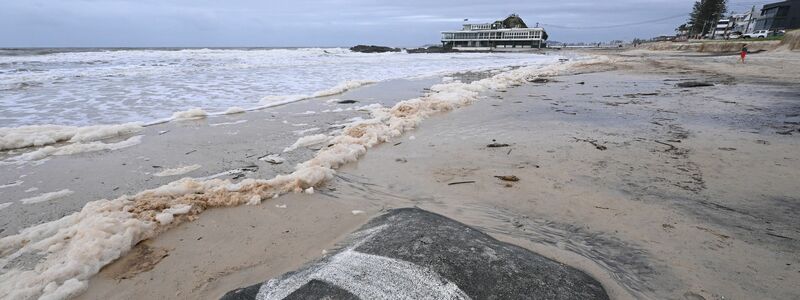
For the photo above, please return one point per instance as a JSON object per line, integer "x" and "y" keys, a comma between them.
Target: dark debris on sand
{"x": 693, "y": 84}
{"x": 495, "y": 144}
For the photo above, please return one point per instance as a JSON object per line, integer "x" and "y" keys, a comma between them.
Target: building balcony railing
{"x": 490, "y": 36}
{"x": 490, "y": 39}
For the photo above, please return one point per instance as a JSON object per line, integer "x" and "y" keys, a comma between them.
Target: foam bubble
{"x": 306, "y": 141}
{"x": 234, "y": 110}
{"x": 194, "y": 113}
{"x": 47, "y": 197}
{"x": 177, "y": 171}
{"x": 168, "y": 215}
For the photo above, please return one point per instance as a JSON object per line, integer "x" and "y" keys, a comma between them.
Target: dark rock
{"x": 432, "y": 49}
{"x": 411, "y": 253}
{"x": 508, "y": 178}
{"x": 691, "y": 84}
{"x": 373, "y": 49}
{"x": 497, "y": 145}
{"x": 539, "y": 80}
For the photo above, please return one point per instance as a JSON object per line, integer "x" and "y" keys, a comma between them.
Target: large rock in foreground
{"x": 414, "y": 254}
{"x": 373, "y": 49}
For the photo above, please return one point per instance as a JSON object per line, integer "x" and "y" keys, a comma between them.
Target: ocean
{"x": 86, "y": 177}
{"x": 92, "y": 86}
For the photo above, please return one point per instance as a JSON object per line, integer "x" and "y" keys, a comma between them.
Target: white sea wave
{"x": 151, "y": 85}
{"x": 77, "y": 246}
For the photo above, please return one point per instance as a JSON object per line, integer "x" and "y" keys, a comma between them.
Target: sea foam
{"x": 70, "y": 149}
{"x": 77, "y": 246}
{"x": 42, "y": 135}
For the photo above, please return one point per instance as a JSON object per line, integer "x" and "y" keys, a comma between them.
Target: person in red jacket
{"x": 744, "y": 52}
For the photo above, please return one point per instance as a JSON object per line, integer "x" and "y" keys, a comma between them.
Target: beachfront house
{"x": 735, "y": 24}
{"x": 722, "y": 28}
{"x": 511, "y": 34}
{"x": 744, "y": 22}
{"x": 779, "y": 16}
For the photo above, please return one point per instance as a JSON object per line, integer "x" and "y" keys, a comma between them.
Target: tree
{"x": 705, "y": 15}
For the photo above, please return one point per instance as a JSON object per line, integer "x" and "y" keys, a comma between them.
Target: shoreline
{"x": 176, "y": 144}
{"x": 365, "y": 186}
{"x": 130, "y": 219}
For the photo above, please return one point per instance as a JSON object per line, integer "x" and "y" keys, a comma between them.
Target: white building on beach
{"x": 510, "y": 34}
{"x": 722, "y": 29}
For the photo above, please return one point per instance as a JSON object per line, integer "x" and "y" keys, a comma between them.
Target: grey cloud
{"x": 310, "y": 23}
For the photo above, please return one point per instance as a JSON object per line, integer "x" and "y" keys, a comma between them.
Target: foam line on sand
{"x": 71, "y": 149}
{"x": 43, "y": 135}
{"x": 77, "y": 246}
{"x": 47, "y": 197}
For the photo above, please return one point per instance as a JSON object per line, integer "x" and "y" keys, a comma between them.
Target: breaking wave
{"x": 153, "y": 86}
{"x": 77, "y": 246}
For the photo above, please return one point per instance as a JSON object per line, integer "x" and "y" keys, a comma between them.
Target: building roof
{"x": 781, "y": 3}
{"x": 514, "y": 21}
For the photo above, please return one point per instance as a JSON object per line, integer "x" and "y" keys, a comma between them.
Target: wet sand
{"x": 655, "y": 190}
{"x": 658, "y": 191}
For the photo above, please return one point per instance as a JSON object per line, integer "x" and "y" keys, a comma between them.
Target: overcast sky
{"x": 213, "y": 23}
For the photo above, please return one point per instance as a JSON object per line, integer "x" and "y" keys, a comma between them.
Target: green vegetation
{"x": 704, "y": 16}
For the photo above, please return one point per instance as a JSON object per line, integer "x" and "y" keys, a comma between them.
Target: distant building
{"x": 735, "y": 23}
{"x": 664, "y": 38}
{"x": 779, "y": 16}
{"x": 509, "y": 34}
{"x": 722, "y": 29}
{"x": 683, "y": 30}
{"x": 743, "y": 23}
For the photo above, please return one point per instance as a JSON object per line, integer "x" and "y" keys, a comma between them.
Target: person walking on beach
{"x": 744, "y": 52}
